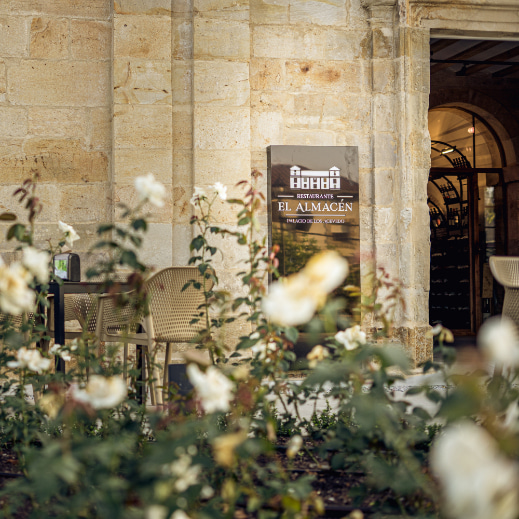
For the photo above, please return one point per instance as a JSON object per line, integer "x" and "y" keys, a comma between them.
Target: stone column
{"x": 401, "y": 155}
{"x": 221, "y": 112}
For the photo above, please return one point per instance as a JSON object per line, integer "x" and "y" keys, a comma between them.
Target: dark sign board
{"x": 313, "y": 197}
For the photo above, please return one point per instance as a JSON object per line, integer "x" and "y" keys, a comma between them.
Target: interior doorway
{"x": 465, "y": 198}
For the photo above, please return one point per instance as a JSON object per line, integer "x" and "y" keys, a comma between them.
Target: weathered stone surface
{"x": 13, "y": 122}
{"x": 58, "y": 122}
{"x": 221, "y": 39}
{"x": 182, "y": 8}
{"x": 49, "y": 38}
{"x": 14, "y": 41}
{"x": 383, "y": 116}
{"x": 317, "y": 12}
{"x": 142, "y": 82}
{"x": 383, "y": 187}
{"x": 181, "y": 234}
{"x": 59, "y": 83}
{"x": 269, "y": 11}
{"x": 60, "y": 160}
{"x": 80, "y": 203}
{"x": 149, "y": 7}
{"x": 228, "y": 9}
{"x": 308, "y": 43}
{"x": 99, "y": 9}
{"x": 385, "y": 153}
{"x": 228, "y": 167}
{"x": 272, "y": 101}
{"x": 182, "y": 31}
{"x": 131, "y": 163}
{"x": 182, "y": 127}
{"x": 182, "y": 82}
{"x": 101, "y": 128}
{"x": 385, "y": 228}
{"x": 266, "y": 129}
{"x": 331, "y": 76}
{"x": 383, "y": 76}
{"x": 294, "y": 136}
{"x": 182, "y": 208}
{"x": 157, "y": 246}
{"x": 90, "y": 39}
{"x": 142, "y": 126}
{"x": 267, "y": 74}
{"x": 3, "y": 82}
{"x": 221, "y": 129}
{"x": 382, "y": 42}
{"x": 221, "y": 83}
{"x": 142, "y": 37}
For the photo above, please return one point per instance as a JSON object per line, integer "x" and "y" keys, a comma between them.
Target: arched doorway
{"x": 465, "y": 198}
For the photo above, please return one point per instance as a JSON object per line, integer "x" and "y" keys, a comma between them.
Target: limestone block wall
{"x": 55, "y": 111}
{"x": 142, "y": 113}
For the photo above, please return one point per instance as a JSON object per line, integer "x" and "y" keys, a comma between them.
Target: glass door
{"x": 452, "y": 296}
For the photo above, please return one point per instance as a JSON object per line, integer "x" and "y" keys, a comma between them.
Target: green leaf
{"x": 292, "y": 334}
{"x": 421, "y": 413}
{"x": 104, "y": 228}
{"x": 197, "y": 243}
{"x": 16, "y": 231}
{"x": 244, "y": 221}
{"x": 140, "y": 224}
{"x": 129, "y": 258}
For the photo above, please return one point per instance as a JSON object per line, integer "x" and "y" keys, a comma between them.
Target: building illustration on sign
{"x": 306, "y": 179}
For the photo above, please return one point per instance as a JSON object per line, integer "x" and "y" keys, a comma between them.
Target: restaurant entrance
{"x": 465, "y": 198}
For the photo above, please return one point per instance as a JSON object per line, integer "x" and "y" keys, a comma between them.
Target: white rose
{"x": 15, "y": 295}
{"x": 37, "y": 262}
{"x": 498, "y": 338}
{"x": 70, "y": 234}
{"x": 317, "y": 354}
{"x": 289, "y": 303}
{"x": 262, "y": 349}
{"x": 220, "y": 190}
{"x": 179, "y": 514}
{"x": 151, "y": 190}
{"x": 31, "y": 360}
{"x": 295, "y": 299}
{"x": 102, "y": 392}
{"x": 351, "y": 337}
{"x": 156, "y": 512}
{"x": 197, "y": 196}
{"x": 478, "y": 481}
{"x": 326, "y": 271}
{"x": 186, "y": 474}
{"x": 58, "y": 350}
{"x": 212, "y": 387}
{"x": 294, "y": 446}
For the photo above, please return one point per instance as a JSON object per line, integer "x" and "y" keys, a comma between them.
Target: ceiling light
{"x": 448, "y": 150}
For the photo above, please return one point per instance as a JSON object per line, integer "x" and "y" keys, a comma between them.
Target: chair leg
{"x": 149, "y": 378}
{"x": 125, "y": 362}
{"x": 165, "y": 378}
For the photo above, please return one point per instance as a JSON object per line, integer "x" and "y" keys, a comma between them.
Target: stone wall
{"x": 55, "y": 111}
{"x": 96, "y": 92}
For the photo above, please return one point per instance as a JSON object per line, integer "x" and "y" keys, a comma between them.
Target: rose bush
{"x": 88, "y": 448}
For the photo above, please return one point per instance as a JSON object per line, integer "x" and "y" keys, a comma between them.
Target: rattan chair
{"x": 169, "y": 319}
{"x": 505, "y": 270}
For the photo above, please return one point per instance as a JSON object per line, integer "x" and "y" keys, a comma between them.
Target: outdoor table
{"x": 59, "y": 291}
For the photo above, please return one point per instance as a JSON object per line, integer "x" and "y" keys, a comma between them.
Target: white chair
{"x": 505, "y": 270}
